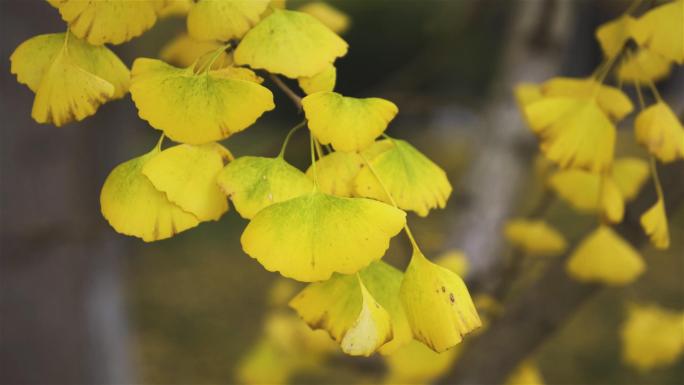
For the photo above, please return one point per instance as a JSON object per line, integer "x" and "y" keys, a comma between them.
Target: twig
{"x": 296, "y": 99}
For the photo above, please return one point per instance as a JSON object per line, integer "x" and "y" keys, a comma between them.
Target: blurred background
{"x": 83, "y": 304}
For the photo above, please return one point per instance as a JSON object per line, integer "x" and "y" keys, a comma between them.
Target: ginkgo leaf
{"x": 654, "y": 223}
{"x": 454, "y": 260}
{"x": 336, "y": 171}
{"x": 414, "y": 181}
{"x": 323, "y": 81}
{"x": 527, "y": 93}
{"x": 658, "y": 129}
{"x": 184, "y": 51}
{"x": 611, "y": 201}
{"x": 195, "y": 108}
{"x": 237, "y": 73}
{"x": 662, "y": 30}
{"x": 612, "y": 100}
{"x": 175, "y": 7}
{"x": 331, "y": 17}
{"x": 132, "y": 205}
{"x": 437, "y": 304}
{"x": 314, "y": 235}
{"x": 651, "y": 336}
{"x": 583, "y": 189}
{"x": 253, "y": 183}
{"x": 343, "y": 303}
{"x": 614, "y": 34}
{"x": 415, "y": 363}
{"x": 535, "y": 237}
{"x": 108, "y": 21}
{"x": 224, "y": 20}
{"x": 527, "y": 373}
{"x": 644, "y": 67}
{"x": 187, "y": 175}
{"x": 33, "y": 58}
{"x": 573, "y": 132}
{"x": 349, "y": 124}
{"x": 603, "y": 256}
{"x": 67, "y": 92}
{"x": 291, "y": 43}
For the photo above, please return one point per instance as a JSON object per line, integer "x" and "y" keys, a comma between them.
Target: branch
{"x": 549, "y": 302}
{"x": 296, "y": 99}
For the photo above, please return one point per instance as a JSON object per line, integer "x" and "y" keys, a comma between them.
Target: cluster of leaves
{"x": 329, "y": 226}
{"x": 575, "y": 122}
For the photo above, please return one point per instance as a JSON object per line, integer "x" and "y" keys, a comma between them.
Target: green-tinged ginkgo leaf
{"x": 224, "y": 19}
{"x": 349, "y": 124}
{"x": 362, "y": 312}
{"x": 253, "y": 183}
{"x": 614, "y": 34}
{"x": 184, "y": 51}
{"x": 414, "y": 181}
{"x": 574, "y": 133}
{"x": 108, "y": 21}
{"x": 651, "y": 336}
{"x": 662, "y": 30}
{"x": 187, "y": 175}
{"x": 291, "y": 43}
{"x": 336, "y": 171}
{"x": 658, "y": 129}
{"x": 33, "y": 58}
{"x": 333, "y": 18}
{"x": 437, "y": 304}
{"x": 612, "y": 100}
{"x": 535, "y": 237}
{"x": 644, "y": 67}
{"x": 323, "y": 81}
{"x": 195, "y": 108}
{"x": 237, "y": 73}
{"x": 654, "y": 223}
{"x": 312, "y": 236}
{"x": 132, "y": 205}
{"x": 603, "y": 256}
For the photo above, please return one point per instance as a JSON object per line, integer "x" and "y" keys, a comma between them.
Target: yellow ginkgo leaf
{"x": 253, "y": 183}
{"x": 644, "y": 67}
{"x": 630, "y": 174}
{"x": 583, "y": 190}
{"x": 331, "y": 17}
{"x": 437, "y": 304}
{"x": 184, "y": 51}
{"x": 291, "y": 43}
{"x": 33, "y": 58}
{"x": 658, "y": 129}
{"x": 654, "y": 223}
{"x": 187, "y": 175}
{"x": 67, "y": 92}
{"x": 224, "y": 20}
{"x": 132, "y": 205}
{"x": 651, "y": 336}
{"x": 574, "y": 133}
{"x": 349, "y": 124}
{"x": 526, "y": 93}
{"x": 454, "y": 260}
{"x": 323, "y": 81}
{"x": 175, "y": 7}
{"x": 611, "y": 201}
{"x": 415, "y": 363}
{"x": 527, "y": 373}
{"x": 336, "y": 171}
{"x": 614, "y": 34}
{"x": 662, "y": 30}
{"x": 349, "y": 307}
{"x": 312, "y": 236}
{"x": 238, "y": 73}
{"x": 195, "y": 108}
{"x": 603, "y": 256}
{"x": 413, "y": 181}
{"x": 535, "y": 237}
{"x": 612, "y": 100}
{"x": 108, "y": 21}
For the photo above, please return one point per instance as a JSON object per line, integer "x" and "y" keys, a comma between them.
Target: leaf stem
{"x": 296, "y": 99}
{"x": 287, "y": 138}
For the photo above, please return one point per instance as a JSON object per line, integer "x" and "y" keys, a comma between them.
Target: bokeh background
{"x": 83, "y": 304}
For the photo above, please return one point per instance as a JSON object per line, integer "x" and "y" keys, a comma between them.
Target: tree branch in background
{"x": 549, "y": 302}
{"x": 296, "y": 99}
